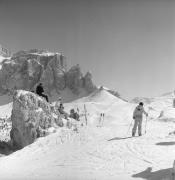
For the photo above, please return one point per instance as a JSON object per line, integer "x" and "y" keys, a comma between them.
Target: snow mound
{"x": 115, "y": 110}
{"x": 100, "y": 96}
{"x": 161, "y": 104}
{"x": 167, "y": 115}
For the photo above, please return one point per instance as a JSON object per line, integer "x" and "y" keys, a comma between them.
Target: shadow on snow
{"x": 6, "y": 148}
{"x": 163, "y": 174}
{"x": 166, "y": 143}
{"x": 121, "y": 138}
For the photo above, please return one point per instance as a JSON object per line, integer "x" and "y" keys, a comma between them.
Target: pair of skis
{"x": 101, "y": 120}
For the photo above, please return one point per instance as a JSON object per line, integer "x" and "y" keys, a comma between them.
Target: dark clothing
{"x": 45, "y": 96}
{"x": 40, "y": 90}
{"x": 74, "y": 115}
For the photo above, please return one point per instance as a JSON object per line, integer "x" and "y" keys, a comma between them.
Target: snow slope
{"x": 101, "y": 101}
{"x": 162, "y": 107}
{"x": 105, "y": 152}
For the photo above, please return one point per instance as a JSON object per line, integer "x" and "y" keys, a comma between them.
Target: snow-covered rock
{"x": 31, "y": 117}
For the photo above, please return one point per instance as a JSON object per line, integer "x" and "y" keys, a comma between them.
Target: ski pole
{"x": 85, "y": 111}
{"x": 146, "y": 120}
{"x": 146, "y": 123}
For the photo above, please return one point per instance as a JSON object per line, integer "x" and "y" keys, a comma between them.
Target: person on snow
{"x": 137, "y": 116}
{"x": 74, "y": 115}
{"x": 60, "y": 103}
{"x": 40, "y": 90}
{"x": 60, "y": 108}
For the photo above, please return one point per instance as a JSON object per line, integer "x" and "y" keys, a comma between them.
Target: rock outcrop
{"x": 74, "y": 79}
{"x": 87, "y": 83}
{"x": 25, "y": 69}
{"x": 31, "y": 117}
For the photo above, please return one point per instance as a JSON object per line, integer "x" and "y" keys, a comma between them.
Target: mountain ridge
{"x": 25, "y": 69}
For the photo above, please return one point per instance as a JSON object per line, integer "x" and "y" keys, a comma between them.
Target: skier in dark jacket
{"x": 137, "y": 116}
{"x": 40, "y": 90}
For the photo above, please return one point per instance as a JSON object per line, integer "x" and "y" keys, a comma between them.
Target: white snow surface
{"x": 2, "y": 58}
{"x": 46, "y": 53}
{"x": 5, "y": 106}
{"x": 101, "y": 150}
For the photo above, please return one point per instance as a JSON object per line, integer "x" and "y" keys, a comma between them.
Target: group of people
{"x": 73, "y": 114}
{"x": 137, "y": 114}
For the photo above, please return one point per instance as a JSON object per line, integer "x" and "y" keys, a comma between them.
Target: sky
{"x": 127, "y": 45}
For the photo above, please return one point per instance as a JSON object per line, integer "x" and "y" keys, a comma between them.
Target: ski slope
{"x": 99, "y": 151}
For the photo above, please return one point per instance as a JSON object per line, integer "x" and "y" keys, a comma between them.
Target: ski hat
{"x": 141, "y": 103}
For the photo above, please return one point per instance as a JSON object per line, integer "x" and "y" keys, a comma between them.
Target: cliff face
{"x": 26, "y": 69}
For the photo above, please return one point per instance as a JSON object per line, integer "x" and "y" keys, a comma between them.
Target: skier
{"x": 137, "y": 116}
{"x": 40, "y": 90}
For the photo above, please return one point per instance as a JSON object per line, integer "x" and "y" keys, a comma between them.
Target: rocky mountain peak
{"x": 25, "y": 69}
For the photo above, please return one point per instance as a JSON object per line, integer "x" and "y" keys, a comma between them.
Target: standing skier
{"x": 137, "y": 116}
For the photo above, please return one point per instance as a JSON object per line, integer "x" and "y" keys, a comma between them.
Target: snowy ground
{"x": 106, "y": 152}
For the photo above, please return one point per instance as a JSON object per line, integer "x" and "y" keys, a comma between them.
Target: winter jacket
{"x": 39, "y": 89}
{"x": 138, "y": 112}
